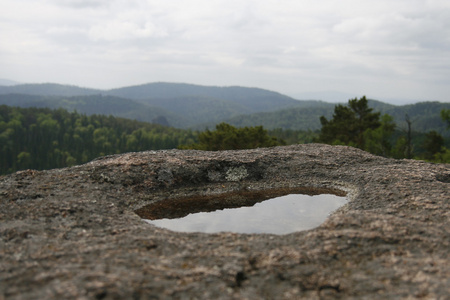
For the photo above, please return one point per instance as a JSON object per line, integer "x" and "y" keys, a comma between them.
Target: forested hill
{"x": 48, "y": 89}
{"x": 175, "y": 90}
{"x": 254, "y": 99}
{"x": 182, "y": 105}
{"x": 424, "y": 117}
{"x": 193, "y": 106}
{"x": 99, "y": 104}
{"x": 41, "y": 138}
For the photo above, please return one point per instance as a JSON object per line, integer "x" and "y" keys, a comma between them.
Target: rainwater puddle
{"x": 246, "y": 213}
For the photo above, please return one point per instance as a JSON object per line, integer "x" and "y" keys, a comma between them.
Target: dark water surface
{"x": 280, "y": 215}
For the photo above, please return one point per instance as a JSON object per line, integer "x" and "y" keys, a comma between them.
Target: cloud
{"x": 82, "y": 4}
{"x": 125, "y": 30}
{"x": 290, "y": 46}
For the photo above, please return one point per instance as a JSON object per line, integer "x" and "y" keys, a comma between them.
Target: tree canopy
{"x": 357, "y": 125}
{"x": 349, "y": 123}
{"x": 227, "y": 137}
{"x": 41, "y": 138}
{"x": 445, "y": 115}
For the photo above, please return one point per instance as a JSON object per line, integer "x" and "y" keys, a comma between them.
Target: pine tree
{"x": 349, "y": 123}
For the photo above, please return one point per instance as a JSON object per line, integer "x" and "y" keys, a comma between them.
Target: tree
{"x": 445, "y": 115}
{"x": 349, "y": 123}
{"x": 442, "y": 157}
{"x": 434, "y": 144}
{"x": 227, "y": 137}
{"x": 365, "y": 118}
{"x": 377, "y": 141}
{"x": 401, "y": 148}
{"x": 24, "y": 160}
{"x": 409, "y": 147}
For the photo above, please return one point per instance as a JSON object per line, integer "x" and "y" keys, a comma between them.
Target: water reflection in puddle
{"x": 280, "y": 215}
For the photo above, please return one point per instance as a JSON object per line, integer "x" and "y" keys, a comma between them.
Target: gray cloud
{"x": 81, "y": 4}
{"x": 379, "y": 48}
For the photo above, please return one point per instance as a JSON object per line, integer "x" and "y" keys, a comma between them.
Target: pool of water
{"x": 278, "y": 215}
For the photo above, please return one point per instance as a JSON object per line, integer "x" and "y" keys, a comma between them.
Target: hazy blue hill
{"x": 380, "y": 106}
{"x": 7, "y": 82}
{"x": 48, "y": 89}
{"x": 96, "y": 104}
{"x": 240, "y": 99}
{"x": 199, "y": 109}
{"x": 254, "y": 99}
{"x": 194, "y": 106}
{"x": 299, "y": 118}
{"x": 93, "y": 104}
{"x": 23, "y": 100}
{"x": 425, "y": 116}
{"x": 174, "y": 90}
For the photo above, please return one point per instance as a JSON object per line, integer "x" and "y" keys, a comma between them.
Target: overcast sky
{"x": 383, "y": 49}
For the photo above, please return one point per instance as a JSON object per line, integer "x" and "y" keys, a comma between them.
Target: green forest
{"x": 42, "y": 138}
{"x": 227, "y": 137}
{"x": 358, "y": 125}
{"x": 195, "y": 107}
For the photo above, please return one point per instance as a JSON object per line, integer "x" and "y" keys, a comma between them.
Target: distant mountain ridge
{"x": 254, "y": 99}
{"x": 48, "y": 89}
{"x": 193, "y": 106}
{"x": 174, "y": 90}
{"x": 7, "y": 82}
{"x": 96, "y": 104}
{"x": 183, "y": 105}
{"x": 425, "y": 116}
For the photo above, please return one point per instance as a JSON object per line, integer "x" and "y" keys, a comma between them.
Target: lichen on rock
{"x": 236, "y": 173}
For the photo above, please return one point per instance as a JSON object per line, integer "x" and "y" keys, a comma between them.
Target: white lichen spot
{"x": 236, "y": 174}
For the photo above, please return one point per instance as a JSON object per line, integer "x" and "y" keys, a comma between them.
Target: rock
{"x": 73, "y": 232}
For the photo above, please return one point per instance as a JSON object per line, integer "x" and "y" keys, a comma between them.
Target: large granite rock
{"x": 73, "y": 233}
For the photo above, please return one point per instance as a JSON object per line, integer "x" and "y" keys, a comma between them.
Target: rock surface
{"x": 73, "y": 232}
